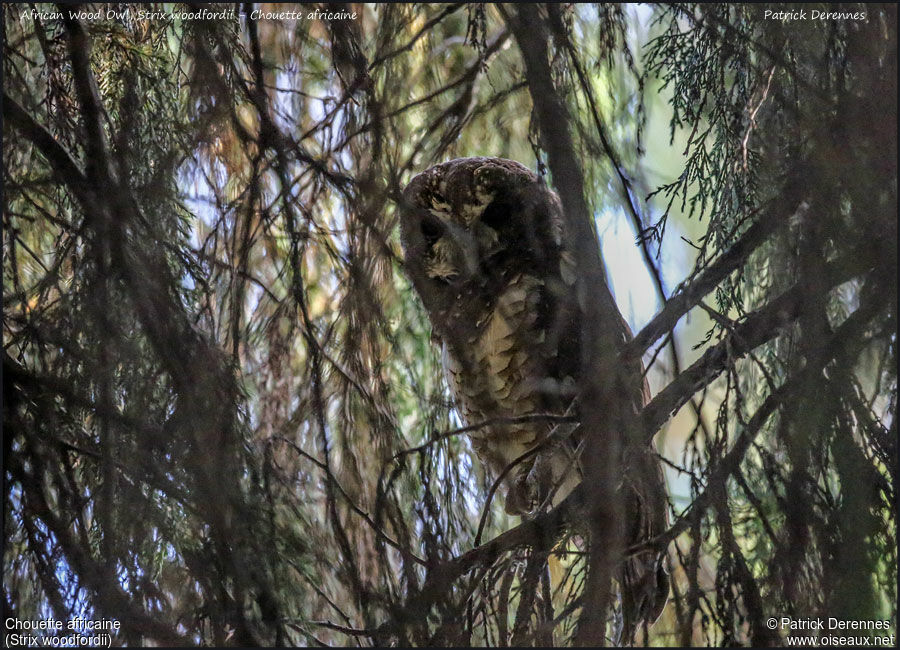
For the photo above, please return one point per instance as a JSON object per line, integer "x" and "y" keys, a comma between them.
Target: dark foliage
{"x": 223, "y": 422}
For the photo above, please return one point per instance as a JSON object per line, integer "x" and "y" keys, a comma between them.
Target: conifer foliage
{"x": 223, "y": 419}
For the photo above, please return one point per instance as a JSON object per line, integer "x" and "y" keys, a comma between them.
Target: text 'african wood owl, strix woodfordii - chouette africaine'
{"x": 484, "y": 246}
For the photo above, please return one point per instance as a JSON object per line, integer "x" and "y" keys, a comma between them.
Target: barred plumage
{"x": 484, "y": 247}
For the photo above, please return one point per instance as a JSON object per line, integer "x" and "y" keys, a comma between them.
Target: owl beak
{"x": 466, "y": 244}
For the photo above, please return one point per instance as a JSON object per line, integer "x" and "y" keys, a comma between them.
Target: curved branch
{"x": 759, "y": 327}
{"x": 686, "y": 299}
{"x": 604, "y": 382}
{"x": 63, "y": 163}
{"x": 849, "y": 332}
{"x": 542, "y": 531}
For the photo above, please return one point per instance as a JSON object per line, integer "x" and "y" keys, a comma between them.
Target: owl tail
{"x": 643, "y": 578}
{"x": 645, "y": 590}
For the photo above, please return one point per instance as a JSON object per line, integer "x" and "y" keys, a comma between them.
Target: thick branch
{"x": 64, "y": 165}
{"x": 604, "y": 382}
{"x": 685, "y": 300}
{"x": 760, "y": 326}
{"x": 838, "y": 344}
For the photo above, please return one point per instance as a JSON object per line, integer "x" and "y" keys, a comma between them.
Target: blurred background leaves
{"x": 215, "y": 368}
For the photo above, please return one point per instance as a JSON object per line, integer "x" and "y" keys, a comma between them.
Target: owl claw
{"x": 516, "y": 501}
{"x": 520, "y": 493}
{"x": 530, "y": 490}
{"x": 540, "y": 480}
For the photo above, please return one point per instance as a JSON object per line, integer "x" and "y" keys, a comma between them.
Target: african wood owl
{"x": 484, "y": 245}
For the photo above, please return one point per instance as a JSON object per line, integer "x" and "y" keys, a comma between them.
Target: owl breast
{"x": 484, "y": 247}
{"x": 504, "y": 374}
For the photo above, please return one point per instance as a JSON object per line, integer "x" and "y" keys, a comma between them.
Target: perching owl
{"x": 484, "y": 245}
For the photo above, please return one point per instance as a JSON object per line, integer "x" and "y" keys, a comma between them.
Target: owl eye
{"x": 432, "y": 230}
{"x": 497, "y": 214}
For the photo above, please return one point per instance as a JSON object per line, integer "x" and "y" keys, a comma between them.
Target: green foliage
{"x": 224, "y": 421}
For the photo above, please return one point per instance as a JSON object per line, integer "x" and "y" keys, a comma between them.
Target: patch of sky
{"x": 630, "y": 280}
{"x": 284, "y": 101}
{"x": 199, "y": 197}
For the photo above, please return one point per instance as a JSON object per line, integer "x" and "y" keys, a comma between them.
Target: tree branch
{"x": 64, "y": 165}
{"x": 849, "y": 333}
{"x": 686, "y": 299}
{"x": 605, "y": 385}
{"x": 759, "y": 327}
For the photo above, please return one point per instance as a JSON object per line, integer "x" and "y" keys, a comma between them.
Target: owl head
{"x": 468, "y": 223}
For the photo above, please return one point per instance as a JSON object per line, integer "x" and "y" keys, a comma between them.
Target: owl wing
{"x": 645, "y": 583}
{"x": 511, "y": 333}
{"x": 643, "y": 579}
